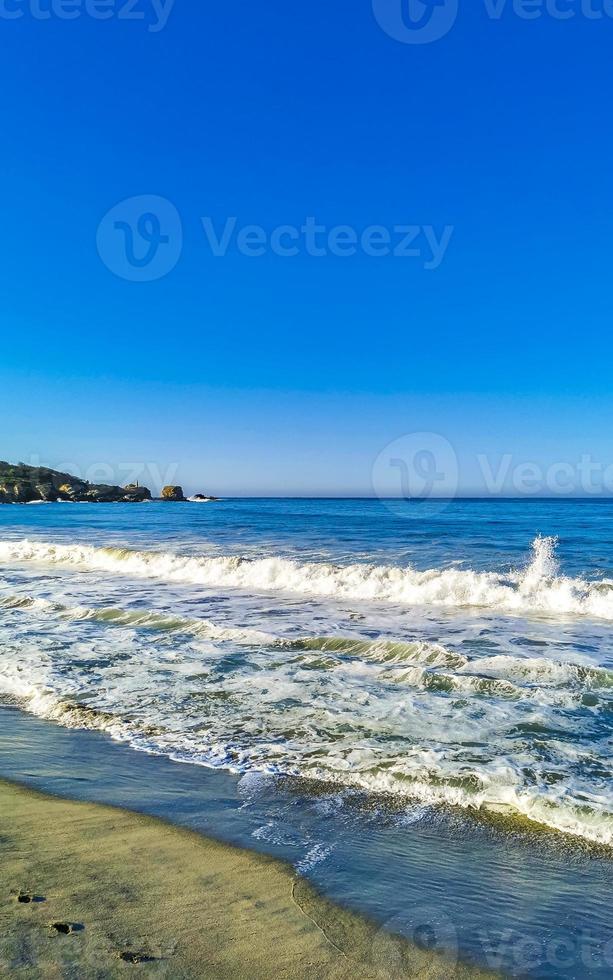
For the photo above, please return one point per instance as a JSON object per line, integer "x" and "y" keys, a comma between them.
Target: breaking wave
{"x": 423, "y": 779}
{"x": 146, "y": 619}
{"x": 321, "y": 707}
{"x": 537, "y": 588}
{"x": 467, "y": 721}
{"x": 431, "y": 659}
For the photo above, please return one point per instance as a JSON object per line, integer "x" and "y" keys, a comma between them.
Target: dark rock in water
{"x": 102, "y": 494}
{"x": 22, "y": 484}
{"x": 173, "y": 493}
{"x": 136, "y": 494}
{"x": 201, "y": 497}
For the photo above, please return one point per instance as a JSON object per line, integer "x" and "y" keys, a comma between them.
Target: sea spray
{"x": 538, "y": 588}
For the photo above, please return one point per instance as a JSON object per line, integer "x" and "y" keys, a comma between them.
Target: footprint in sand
{"x": 25, "y": 898}
{"x": 129, "y": 956}
{"x": 65, "y": 928}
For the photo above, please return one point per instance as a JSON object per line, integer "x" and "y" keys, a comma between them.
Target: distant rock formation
{"x": 22, "y": 484}
{"x": 173, "y": 493}
{"x": 136, "y": 493}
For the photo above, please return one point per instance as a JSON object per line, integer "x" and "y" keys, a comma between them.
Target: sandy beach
{"x": 93, "y": 891}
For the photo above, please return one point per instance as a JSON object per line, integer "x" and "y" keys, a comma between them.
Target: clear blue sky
{"x": 287, "y": 375}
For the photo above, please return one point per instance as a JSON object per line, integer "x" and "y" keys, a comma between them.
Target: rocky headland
{"x": 22, "y": 484}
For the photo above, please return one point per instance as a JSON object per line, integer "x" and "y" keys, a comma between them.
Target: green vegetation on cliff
{"x": 22, "y": 484}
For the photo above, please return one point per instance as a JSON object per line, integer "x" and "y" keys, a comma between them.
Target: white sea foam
{"x": 283, "y": 710}
{"x": 424, "y": 778}
{"x": 317, "y": 854}
{"x": 538, "y": 588}
{"x": 137, "y": 619}
{"x": 457, "y": 722}
{"x": 418, "y": 663}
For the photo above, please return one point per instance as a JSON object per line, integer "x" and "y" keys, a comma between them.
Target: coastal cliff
{"x": 22, "y": 484}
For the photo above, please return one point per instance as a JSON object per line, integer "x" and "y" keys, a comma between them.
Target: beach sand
{"x": 142, "y": 897}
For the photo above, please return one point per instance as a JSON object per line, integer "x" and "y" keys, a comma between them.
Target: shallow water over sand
{"x": 527, "y": 905}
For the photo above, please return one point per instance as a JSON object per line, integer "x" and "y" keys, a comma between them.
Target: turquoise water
{"x": 422, "y": 664}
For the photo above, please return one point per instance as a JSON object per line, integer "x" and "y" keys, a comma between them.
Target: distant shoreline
{"x": 23, "y": 484}
{"x": 99, "y": 503}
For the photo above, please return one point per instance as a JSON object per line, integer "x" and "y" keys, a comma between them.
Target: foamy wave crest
{"x": 383, "y": 651}
{"x": 146, "y": 619}
{"x": 380, "y": 715}
{"x": 421, "y": 779}
{"x": 538, "y": 588}
{"x": 587, "y": 822}
{"x": 418, "y": 663}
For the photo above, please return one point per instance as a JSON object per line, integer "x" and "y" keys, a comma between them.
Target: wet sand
{"x": 89, "y": 891}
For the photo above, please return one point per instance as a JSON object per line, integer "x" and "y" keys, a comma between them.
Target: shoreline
{"x": 183, "y": 691}
{"x": 133, "y": 889}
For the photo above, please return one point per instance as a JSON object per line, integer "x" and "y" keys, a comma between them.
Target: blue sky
{"x": 279, "y": 374}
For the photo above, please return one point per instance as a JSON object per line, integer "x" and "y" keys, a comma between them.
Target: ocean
{"x": 432, "y": 681}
